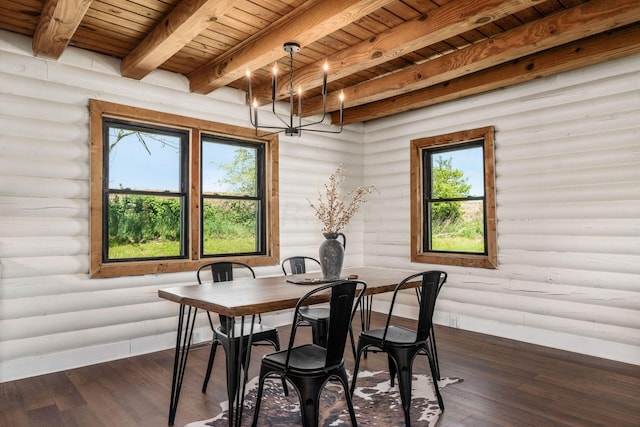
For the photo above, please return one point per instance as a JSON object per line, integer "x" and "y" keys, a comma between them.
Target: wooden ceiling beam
{"x": 562, "y": 27}
{"x": 593, "y": 50}
{"x": 320, "y": 20}
{"x": 451, "y": 19}
{"x": 57, "y": 24}
{"x": 186, "y": 21}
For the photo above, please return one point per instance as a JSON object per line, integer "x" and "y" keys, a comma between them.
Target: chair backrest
{"x": 221, "y": 271}
{"x": 344, "y": 299}
{"x": 426, "y": 293}
{"x": 297, "y": 264}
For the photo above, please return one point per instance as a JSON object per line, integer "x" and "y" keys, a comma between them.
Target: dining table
{"x": 244, "y": 298}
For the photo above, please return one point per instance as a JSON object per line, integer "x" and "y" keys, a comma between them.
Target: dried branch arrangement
{"x": 335, "y": 210}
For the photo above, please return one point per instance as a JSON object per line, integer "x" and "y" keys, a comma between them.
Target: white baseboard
{"x": 554, "y": 339}
{"x": 47, "y": 363}
{"x": 54, "y": 362}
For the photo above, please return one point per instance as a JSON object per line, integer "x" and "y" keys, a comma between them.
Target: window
{"x": 232, "y": 197}
{"x": 169, "y": 192}
{"x": 145, "y": 191}
{"x": 453, "y": 199}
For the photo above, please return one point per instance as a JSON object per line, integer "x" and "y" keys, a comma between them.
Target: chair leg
{"x": 355, "y": 368}
{"x": 403, "y": 362}
{"x": 309, "y": 390}
{"x": 256, "y": 410}
{"x": 232, "y": 371}
{"x": 434, "y": 352}
{"x": 212, "y": 355}
{"x": 345, "y": 385}
{"x": 276, "y": 345}
{"x": 392, "y": 370}
{"x": 353, "y": 342}
{"x": 433, "y": 365}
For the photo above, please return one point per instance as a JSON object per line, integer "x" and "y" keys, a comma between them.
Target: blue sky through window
{"x": 470, "y": 161}
{"x": 131, "y": 166}
{"x": 213, "y": 155}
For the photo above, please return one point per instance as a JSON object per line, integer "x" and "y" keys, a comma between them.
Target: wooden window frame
{"x": 418, "y": 254}
{"x": 98, "y": 268}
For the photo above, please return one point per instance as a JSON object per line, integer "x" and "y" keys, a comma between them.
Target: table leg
{"x": 231, "y": 389}
{"x": 180, "y": 360}
{"x": 367, "y": 303}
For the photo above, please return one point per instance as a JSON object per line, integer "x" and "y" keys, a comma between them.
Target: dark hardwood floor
{"x": 506, "y": 383}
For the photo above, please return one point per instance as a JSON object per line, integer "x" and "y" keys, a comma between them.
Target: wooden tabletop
{"x": 247, "y": 296}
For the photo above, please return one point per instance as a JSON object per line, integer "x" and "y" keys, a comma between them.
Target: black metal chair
{"x": 316, "y": 317}
{"x": 309, "y": 366}
{"x": 402, "y": 344}
{"x": 297, "y": 264}
{"x": 222, "y": 272}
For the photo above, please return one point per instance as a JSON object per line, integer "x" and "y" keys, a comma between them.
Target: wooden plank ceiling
{"x": 388, "y": 56}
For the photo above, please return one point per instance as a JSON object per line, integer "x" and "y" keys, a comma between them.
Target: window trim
{"x": 490, "y": 260}
{"x": 102, "y": 109}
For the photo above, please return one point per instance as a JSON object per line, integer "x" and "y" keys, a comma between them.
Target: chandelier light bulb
{"x": 324, "y": 79}
{"x": 249, "y": 80}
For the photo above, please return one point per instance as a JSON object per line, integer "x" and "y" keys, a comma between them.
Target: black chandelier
{"x": 289, "y": 129}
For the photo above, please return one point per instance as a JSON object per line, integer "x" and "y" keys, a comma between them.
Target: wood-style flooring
{"x": 506, "y": 383}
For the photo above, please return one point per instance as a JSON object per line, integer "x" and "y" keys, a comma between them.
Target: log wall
{"x": 568, "y": 156}
{"x": 52, "y": 316}
{"x": 568, "y": 209}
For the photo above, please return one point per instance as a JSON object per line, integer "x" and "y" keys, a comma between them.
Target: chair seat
{"x": 396, "y": 335}
{"x": 258, "y": 330}
{"x": 315, "y": 313}
{"x": 305, "y": 358}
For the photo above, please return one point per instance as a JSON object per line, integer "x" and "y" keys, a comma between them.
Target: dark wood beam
{"x": 58, "y": 22}
{"x": 593, "y": 50}
{"x": 562, "y": 27}
{"x": 322, "y": 19}
{"x": 183, "y": 24}
{"x": 451, "y": 19}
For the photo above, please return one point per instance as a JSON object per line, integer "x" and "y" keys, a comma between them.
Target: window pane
{"x": 457, "y": 226}
{"x": 228, "y": 169}
{"x": 230, "y": 226}
{"x": 143, "y": 161}
{"x": 458, "y": 173}
{"x": 144, "y": 226}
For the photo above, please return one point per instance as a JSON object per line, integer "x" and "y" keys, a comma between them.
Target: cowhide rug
{"x": 376, "y": 403}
